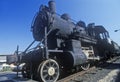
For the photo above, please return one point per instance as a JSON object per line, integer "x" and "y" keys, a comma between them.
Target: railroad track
{"x": 73, "y": 76}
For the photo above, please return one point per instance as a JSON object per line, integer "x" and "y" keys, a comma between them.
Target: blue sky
{"x": 16, "y": 17}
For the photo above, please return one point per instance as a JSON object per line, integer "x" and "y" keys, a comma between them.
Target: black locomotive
{"x": 63, "y": 45}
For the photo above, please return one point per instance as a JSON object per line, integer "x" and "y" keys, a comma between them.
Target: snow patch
{"x": 111, "y": 76}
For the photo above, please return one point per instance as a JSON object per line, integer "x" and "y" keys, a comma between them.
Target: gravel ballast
{"x": 102, "y": 74}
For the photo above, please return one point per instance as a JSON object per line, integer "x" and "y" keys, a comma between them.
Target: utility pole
{"x": 17, "y": 60}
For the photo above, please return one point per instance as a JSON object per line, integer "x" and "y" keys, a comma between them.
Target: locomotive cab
{"x": 104, "y": 43}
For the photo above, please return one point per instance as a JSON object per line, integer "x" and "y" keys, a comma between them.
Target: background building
{"x": 3, "y": 62}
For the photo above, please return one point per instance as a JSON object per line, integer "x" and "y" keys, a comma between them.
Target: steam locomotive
{"x": 63, "y": 45}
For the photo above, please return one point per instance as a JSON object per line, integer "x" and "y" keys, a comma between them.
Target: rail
{"x": 73, "y": 76}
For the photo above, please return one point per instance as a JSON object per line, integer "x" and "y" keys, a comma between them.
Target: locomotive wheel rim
{"x": 85, "y": 66}
{"x": 49, "y": 71}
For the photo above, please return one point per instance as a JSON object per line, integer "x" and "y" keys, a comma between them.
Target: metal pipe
{"x": 52, "y": 6}
{"x": 29, "y": 46}
{"x": 46, "y": 46}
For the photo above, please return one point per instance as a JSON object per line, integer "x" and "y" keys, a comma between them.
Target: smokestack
{"x": 52, "y": 6}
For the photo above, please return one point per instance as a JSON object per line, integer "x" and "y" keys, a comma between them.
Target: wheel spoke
{"x": 56, "y": 73}
{"x": 49, "y": 63}
{"x": 53, "y": 77}
{"x": 53, "y": 64}
{"x": 49, "y": 78}
{"x": 56, "y": 68}
{"x": 46, "y": 67}
{"x": 45, "y": 76}
{"x": 45, "y": 70}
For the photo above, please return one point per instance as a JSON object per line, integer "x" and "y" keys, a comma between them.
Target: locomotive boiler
{"x": 63, "y": 45}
